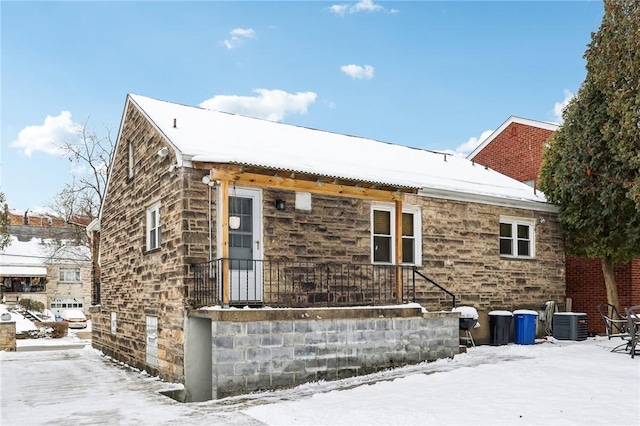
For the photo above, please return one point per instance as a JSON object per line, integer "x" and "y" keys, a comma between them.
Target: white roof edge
{"x": 541, "y": 206}
{"x": 115, "y": 149}
{"x": 94, "y": 226}
{"x": 167, "y": 139}
{"x": 24, "y": 271}
{"x": 513, "y": 119}
{"x": 130, "y": 98}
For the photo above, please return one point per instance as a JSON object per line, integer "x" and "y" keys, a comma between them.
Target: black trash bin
{"x": 499, "y": 326}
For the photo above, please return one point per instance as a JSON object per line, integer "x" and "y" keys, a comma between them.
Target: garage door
{"x": 59, "y": 304}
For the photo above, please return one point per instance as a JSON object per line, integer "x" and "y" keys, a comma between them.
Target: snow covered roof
{"x": 29, "y": 258}
{"x": 203, "y": 135}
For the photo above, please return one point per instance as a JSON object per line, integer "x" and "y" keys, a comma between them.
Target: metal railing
{"x": 284, "y": 283}
{"x": 453, "y": 296}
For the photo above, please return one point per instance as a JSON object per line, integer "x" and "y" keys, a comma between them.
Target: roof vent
{"x": 175, "y": 123}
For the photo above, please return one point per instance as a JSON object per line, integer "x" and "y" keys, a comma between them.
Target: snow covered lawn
{"x": 550, "y": 383}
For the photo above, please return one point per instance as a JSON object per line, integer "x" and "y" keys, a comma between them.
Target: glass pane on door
{"x": 241, "y": 239}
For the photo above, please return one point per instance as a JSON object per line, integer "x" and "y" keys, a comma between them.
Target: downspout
{"x": 210, "y": 232}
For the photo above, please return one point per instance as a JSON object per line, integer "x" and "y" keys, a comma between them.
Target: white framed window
{"x": 517, "y": 237}
{"x": 153, "y": 227}
{"x": 132, "y": 169}
{"x": 383, "y": 234}
{"x": 69, "y": 275}
{"x": 411, "y": 236}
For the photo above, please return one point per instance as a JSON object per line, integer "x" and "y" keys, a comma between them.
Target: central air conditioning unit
{"x": 570, "y": 326}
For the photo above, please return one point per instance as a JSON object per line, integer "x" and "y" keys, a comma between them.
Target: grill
{"x": 468, "y": 321}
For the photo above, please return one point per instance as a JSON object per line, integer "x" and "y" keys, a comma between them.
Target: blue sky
{"x": 428, "y": 74}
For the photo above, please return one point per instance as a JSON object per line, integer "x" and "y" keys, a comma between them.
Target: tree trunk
{"x": 610, "y": 282}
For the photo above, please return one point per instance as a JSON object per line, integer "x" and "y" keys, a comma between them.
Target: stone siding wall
{"x": 8, "y": 336}
{"x": 460, "y": 251}
{"x": 136, "y": 282}
{"x": 336, "y": 229}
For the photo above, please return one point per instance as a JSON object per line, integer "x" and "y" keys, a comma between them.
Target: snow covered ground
{"x": 550, "y": 383}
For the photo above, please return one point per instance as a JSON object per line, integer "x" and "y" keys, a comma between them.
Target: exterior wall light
{"x": 280, "y": 205}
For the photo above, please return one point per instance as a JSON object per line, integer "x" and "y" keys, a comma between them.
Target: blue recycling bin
{"x": 524, "y": 331}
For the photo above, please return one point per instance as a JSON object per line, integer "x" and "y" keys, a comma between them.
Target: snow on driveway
{"x": 550, "y": 383}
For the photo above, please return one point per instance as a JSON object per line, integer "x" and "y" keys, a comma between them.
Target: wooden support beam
{"x": 317, "y": 187}
{"x": 398, "y": 259}
{"x": 224, "y": 240}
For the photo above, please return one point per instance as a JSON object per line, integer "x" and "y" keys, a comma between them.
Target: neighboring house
{"x": 205, "y": 211}
{"x": 43, "y": 263}
{"x": 515, "y": 149}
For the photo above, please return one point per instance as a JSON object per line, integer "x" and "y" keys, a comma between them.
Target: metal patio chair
{"x": 633, "y": 325}
{"x": 616, "y": 325}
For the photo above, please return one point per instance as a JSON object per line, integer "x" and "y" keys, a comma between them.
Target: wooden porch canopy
{"x": 261, "y": 177}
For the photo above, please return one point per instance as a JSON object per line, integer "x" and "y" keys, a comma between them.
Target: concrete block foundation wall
{"x": 249, "y": 354}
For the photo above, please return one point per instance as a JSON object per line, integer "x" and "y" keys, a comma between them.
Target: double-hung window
{"x": 69, "y": 275}
{"x": 383, "y": 234}
{"x": 153, "y": 227}
{"x": 517, "y": 237}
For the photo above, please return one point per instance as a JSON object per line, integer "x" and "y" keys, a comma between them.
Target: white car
{"x": 74, "y": 317}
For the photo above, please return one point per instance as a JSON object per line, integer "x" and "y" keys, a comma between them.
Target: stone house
{"x": 361, "y": 245}
{"x": 45, "y": 262}
{"x": 515, "y": 149}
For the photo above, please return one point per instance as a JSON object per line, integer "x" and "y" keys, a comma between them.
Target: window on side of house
{"x": 383, "y": 234}
{"x": 69, "y": 275}
{"x": 132, "y": 169}
{"x": 411, "y": 236}
{"x": 153, "y": 227}
{"x": 517, "y": 237}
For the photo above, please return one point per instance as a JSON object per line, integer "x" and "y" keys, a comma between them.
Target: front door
{"x": 245, "y": 246}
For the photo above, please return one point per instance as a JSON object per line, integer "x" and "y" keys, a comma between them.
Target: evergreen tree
{"x": 591, "y": 168}
{"x": 5, "y": 238}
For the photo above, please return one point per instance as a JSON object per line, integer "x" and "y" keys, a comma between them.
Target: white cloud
{"x": 49, "y": 136}
{"x": 339, "y": 9}
{"x": 268, "y": 104}
{"x": 366, "y": 6}
{"x": 362, "y": 6}
{"x": 472, "y": 143}
{"x": 356, "y": 71}
{"x": 559, "y": 107}
{"x": 238, "y": 37}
